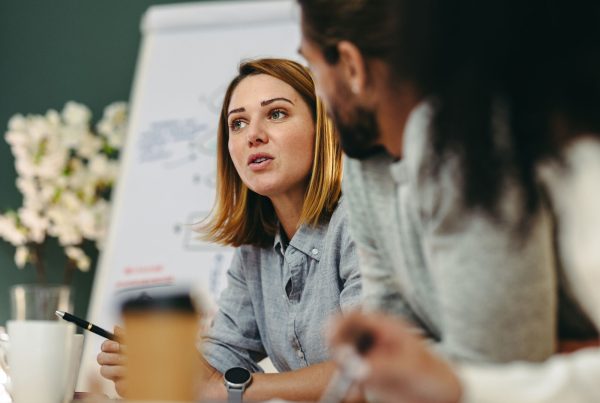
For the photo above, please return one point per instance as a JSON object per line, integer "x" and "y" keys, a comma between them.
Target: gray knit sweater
{"x": 460, "y": 276}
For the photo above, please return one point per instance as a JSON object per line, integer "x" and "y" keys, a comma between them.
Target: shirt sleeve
{"x": 563, "y": 378}
{"x": 496, "y": 288}
{"x": 380, "y": 290}
{"x": 233, "y": 339}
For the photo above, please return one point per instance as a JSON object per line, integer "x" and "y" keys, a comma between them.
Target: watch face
{"x": 237, "y": 375}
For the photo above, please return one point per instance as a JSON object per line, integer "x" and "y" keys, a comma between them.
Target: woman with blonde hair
{"x": 278, "y": 201}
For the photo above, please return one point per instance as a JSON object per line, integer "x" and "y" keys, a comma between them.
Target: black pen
{"x": 84, "y": 324}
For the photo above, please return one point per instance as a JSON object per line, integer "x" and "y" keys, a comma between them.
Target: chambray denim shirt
{"x": 278, "y": 299}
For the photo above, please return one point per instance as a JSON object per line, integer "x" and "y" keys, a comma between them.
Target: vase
{"x": 39, "y": 301}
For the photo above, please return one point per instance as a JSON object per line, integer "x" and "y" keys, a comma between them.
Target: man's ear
{"x": 353, "y": 66}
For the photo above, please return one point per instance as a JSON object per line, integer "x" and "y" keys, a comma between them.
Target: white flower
{"x": 53, "y": 117}
{"x": 87, "y": 223}
{"x": 36, "y": 223}
{"x": 68, "y": 235}
{"x": 48, "y": 189}
{"x": 10, "y": 230}
{"x": 39, "y": 129}
{"x": 36, "y": 146}
{"x": 27, "y": 186}
{"x": 34, "y": 203}
{"x": 58, "y": 182}
{"x": 113, "y": 124}
{"x": 63, "y": 170}
{"x": 79, "y": 177}
{"x": 70, "y": 201}
{"x": 93, "y": 221}
{"x": 53, "y": 165}
{"x": 99, "y": 166}
{"x": 89, "y": 145}
{"x": 17, "y": 123}
{"x": 21, "y": 256}
{"x": 72, "y": 136}
{"x": 25, "y": 168}
{"x": 63, "y": 225}
{"x": 101, "y": 240}
{"x": 76, "y": 114}
{"x": 88, "y": 191}
{"x": 82, "y": 261}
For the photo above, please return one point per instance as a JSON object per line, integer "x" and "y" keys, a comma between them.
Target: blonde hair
{"x": 242, "y": 217}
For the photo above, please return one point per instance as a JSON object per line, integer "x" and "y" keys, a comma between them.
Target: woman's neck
{"x": 288, "y": 209}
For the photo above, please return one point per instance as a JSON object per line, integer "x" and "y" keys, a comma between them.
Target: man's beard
{"x": 358, "y": 138}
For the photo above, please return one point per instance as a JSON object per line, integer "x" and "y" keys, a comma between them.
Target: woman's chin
{"x": 266, "y": 191}
{"x": 276, "y": 189}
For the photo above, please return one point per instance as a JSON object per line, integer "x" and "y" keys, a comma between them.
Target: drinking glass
{"x": 39, "y": 301}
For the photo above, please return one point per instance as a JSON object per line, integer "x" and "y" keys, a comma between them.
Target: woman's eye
{"x": 278, "y": 114}
{"x": 236, "y": 125}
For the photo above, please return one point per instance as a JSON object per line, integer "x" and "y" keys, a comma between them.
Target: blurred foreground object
{"x": 163, "y": 362}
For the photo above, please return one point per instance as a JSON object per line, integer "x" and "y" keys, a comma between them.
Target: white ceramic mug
{"x": 39, "y": 360}
{"x": 75, "y": 363}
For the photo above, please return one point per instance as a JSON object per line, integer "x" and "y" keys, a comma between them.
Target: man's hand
{"x": 402, "y": 368}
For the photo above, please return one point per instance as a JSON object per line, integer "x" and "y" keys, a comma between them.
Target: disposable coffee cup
{"x": 163, "y": 362}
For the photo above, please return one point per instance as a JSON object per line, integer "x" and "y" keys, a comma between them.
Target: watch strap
{"x": 234, "y": 395}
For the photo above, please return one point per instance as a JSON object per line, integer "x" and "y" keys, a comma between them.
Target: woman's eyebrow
{"x": 263, "y": 103}
{"x": 236, "y": 110}
{"x": 270, "y": 101}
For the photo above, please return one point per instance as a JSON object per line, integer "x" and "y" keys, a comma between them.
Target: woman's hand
{"x": 402, "y": 368}
{"x": 112, "y": 362}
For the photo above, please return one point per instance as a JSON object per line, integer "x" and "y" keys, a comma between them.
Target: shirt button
{"x": 315, "y": 251}
{"x": 300, "y": 354}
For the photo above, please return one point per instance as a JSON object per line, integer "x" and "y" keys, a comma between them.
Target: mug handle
{"x": 4, "y": 346}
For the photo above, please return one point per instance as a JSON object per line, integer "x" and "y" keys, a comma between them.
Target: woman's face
{"x": 271, "y": 136}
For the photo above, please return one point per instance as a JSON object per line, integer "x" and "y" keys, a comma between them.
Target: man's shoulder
{"x": 379, "y": 161}
{"x": 367, "y": 172}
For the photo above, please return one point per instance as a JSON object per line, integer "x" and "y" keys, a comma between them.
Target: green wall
{"x": 52, "y": 52}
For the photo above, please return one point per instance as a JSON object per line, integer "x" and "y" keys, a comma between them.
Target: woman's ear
{"x": 353, "y": 67}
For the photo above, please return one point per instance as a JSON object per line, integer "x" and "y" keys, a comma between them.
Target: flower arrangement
{"x": 65, "y": 173}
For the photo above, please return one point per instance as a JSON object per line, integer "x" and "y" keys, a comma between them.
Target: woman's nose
{"x": 257, "y": 135}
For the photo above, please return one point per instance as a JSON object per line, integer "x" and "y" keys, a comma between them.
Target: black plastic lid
{"x": 174, "y": 302}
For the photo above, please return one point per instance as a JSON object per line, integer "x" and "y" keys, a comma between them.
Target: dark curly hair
{"x": 534, "y": 64}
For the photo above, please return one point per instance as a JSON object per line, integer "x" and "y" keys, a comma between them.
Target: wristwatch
{"x": 236, "y": 380}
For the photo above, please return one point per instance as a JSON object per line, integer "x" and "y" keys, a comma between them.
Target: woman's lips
{"x": 260, "y": 164}
{"x": 259, "y": 161}
{"x": 258, "y": 157}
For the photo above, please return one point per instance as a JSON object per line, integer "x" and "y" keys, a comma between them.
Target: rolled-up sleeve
{"x": 234, "y": 339}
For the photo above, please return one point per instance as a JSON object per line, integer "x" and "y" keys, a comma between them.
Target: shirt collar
{"x": 416, "y": 135}
{"x": 278, "y": 240}
{"x": 307, "y": 239}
